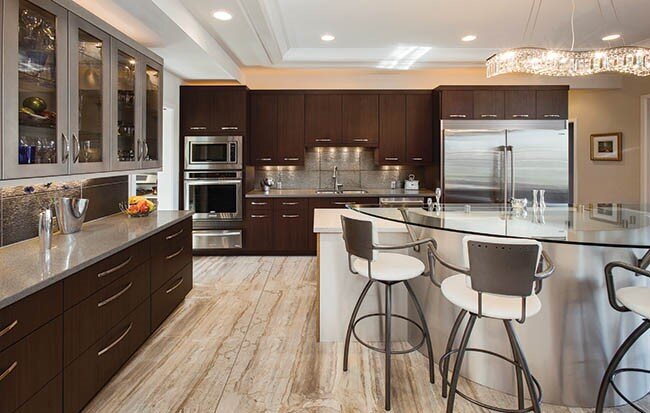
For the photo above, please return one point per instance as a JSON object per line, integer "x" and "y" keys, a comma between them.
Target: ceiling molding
{"x": 266, "y": 22}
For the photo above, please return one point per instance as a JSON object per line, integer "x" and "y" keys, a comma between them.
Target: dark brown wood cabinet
{"x": 520, "y": 104}
{"x": 258, "y": 234}
{"x": 457, "y": 104}
{"x": 322, "y": 119}
{"x": 360, "y": 120}
{"x": 49, "y": 399}
{"x": 215, "y": 110}
{"x": 489, "y": 104}
{"x": 392, "y": 130}
{"x": 196, "y": 110}
{"x": 553, "y": 104}
{"x": 262, "y": 146}
{"x": 171, "y": 250}
{"x": 166, "y": 299}
{"x": 291, "y": 130}
{"x": 419, "y": 129}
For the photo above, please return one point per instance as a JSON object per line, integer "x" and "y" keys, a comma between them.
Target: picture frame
{"x": 607, "y": 146}
{"x": 606, "y": 212}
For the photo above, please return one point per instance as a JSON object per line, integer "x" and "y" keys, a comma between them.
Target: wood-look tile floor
{"x": 244, "y": 340}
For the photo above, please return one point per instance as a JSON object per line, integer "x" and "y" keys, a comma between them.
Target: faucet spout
{"x": 335, "y": 178}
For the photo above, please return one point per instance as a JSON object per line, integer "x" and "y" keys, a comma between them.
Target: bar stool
{"x": 627, "y": 299}
{"x": 501, "y": 282}
{"x": 366, "y": 258}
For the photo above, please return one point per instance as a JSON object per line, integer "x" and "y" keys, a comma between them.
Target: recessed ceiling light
{"x": 327, "y": 37}
{"x": 222, "y": 15}
{"x": 611, "y": 37}
{"x": 469, "y": 38}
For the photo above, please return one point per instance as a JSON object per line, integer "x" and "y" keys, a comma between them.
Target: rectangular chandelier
{"x": 538, "y": 61}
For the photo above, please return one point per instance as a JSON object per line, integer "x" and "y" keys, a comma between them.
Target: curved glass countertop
{"x": 605, "y": 225}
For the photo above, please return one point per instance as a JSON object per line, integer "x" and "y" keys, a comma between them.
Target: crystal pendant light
{"x": 548, "y": 62}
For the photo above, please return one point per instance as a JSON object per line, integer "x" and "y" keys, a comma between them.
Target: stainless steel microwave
{"x": 213, "y": 152}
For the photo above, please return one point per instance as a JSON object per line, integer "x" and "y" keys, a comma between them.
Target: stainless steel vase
{"x": 70, "y": 213}
{"x": 45, "y": 229}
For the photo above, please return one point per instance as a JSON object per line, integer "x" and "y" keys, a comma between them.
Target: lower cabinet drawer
{"x": 29, "y": 364}
{"x": 91, "y": 319}
{"x": 91, "y": 371}
{"x": 167, "y": 298}
{"x": 49, "y": 399}
{"x": 169, "y": 256}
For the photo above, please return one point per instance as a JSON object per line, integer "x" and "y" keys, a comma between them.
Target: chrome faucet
{"x": 335, "y": 178}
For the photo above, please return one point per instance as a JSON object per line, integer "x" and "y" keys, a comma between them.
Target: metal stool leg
{"x": 444, "y": 367}
{"x": 346, "y": 350}
{"x": 524, "y": 367}
{"x": 613, "y": 365}
{"x": 387, "y": 339}
{"x": 518, "y": 375}
{"x": 459, "y": 363}
{"x": 425, "y": 329}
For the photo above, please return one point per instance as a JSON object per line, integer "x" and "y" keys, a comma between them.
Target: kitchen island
{"x": 569, "y": 344}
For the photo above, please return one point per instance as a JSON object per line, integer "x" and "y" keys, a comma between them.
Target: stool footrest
{"x": 383, "y": 350}
{"x": 480, "y": 403}
{"x": 620, "y": 393}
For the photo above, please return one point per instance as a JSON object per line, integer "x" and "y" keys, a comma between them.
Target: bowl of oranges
{"x": 137, "y": 206}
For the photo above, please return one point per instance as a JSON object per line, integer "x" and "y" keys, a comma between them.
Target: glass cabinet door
{"x": 126, "y": 133}
{"x": 36, "y": 141}
{"x": 152, "y": 144}
{"x": 89, "y": 97}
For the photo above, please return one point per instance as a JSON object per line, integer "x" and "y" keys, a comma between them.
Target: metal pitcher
{"x": 70, "y": 214}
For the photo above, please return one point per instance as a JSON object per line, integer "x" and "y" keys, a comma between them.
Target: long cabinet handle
{"x": 291, "y": 159}
{"x": 174, "y": 235}
{"x": 290, "y": 203}
{"x": 8, "y": 328}
{"x": 176, "y": 254}
{"x": 175, "y": 286}
{"x": 264, "y": 159}
{"x": 198, "y": 128}
{"x": 116, "y": 342}
{"x": 66, "y": 148}
{"x": 116, "y": 268}
{"x": 455, "y": 115}
{"x": 552, "y": 116}
{"x": 340, "y": 203}
{"x": 360, "y": 140}
{"x": 229, "y": 127}
{"x": 258, "y": 203}
{"x": 9, "y": 370}
{"x": 290, "y": 216}
{"x": 520, "y": 116}
{"x": 115, "y": 296}
{"x": 416, "y": 159}
{"x": 391, "y": 159}
{"x": 259, "y": 216}
{"x": 488, "y": 116}
{"x": 322, "y": 140}
{"x": 77, "y": 148}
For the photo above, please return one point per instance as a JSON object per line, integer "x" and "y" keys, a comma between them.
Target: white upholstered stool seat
{"x": 636, "y": 299}
{"x": 456, "y": 290}
{"x": 388, "y": 266}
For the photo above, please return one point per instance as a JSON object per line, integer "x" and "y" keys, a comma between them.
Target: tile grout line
{"x": 241, "y": 344}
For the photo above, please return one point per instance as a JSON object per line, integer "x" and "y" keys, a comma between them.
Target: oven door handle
{"x": 191, "y": 181}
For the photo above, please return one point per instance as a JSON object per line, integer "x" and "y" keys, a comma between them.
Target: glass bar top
{"x": 607, "y": 225}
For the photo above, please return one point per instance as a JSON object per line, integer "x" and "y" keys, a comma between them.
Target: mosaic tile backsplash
{"x": 356, "y": 167}
{"x": 20, "y": 205}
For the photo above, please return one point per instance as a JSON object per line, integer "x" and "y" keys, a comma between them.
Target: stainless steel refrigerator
{"x": 494, "y": 161}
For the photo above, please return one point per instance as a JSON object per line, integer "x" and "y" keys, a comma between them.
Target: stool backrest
{"x": 358, "y": 237}
{"x": 504, "y": 266}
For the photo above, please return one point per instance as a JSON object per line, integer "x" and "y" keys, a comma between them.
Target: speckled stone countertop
{"x": 24, "y": 269}
{"x": 311, "y": 193}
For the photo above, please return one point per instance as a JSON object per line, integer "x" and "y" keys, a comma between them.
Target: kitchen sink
{"x": 342, "y": 192}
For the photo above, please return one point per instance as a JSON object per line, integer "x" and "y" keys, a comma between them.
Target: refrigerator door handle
{"x": 510, "y": 149}
{"x": 504, "y": 156}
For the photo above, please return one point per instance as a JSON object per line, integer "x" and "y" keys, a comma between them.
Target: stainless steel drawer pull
{"x": 116, "y": 268}
{"x": 115, "y": 343}
{"x": 198, "y": 128}
{"x": 520, "y": 116}
{"x": 259, "y": 216}
{"x": 8, "y": 328}
{"x": 290, "y": 203}
{"x": 176, "y": 254}
{"x": 323, "y": 140}
{"x": 290, "y": 216}
{"x": 229, "y": 127}
{"x": 175, "y": 286}
{"x": 391, "y": 159}
{"x": 174, "y": 235}
{"x": 416, "y": 159}
{"x": 360, "y": 140}
{"x": 457, "y": 116}
{"x": 488, "y": 116}
{"x": 291, "y": 159}
{"x": 340, "y": 203}
{"x": 264, "y": 159}
{"x": 258, "y": 203}
{"x": 8, "y": 371}
{"x": 552, "y": 116}
{"x": 115, "y": 296}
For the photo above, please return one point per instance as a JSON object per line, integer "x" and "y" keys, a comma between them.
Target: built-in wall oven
{"x": 213, "y": 153}
{"x": 216, "y": 199}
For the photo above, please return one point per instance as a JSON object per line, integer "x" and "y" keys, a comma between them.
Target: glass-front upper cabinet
{"x": 35, "y": 138}
{"x": 152, "y": 144}
{"x": 126, "y": 131}
{"x": 90, "y": 109}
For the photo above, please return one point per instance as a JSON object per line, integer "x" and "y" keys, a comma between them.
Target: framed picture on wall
{"x": 607, "y": 146}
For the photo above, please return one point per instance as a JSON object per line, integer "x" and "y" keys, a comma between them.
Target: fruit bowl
{"x": 137, "y": 206}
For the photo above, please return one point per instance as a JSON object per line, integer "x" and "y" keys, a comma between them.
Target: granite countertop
{"x": 329, "y": 221}
{"x": 311, "y": 193}
{"x": 24, "y": 269}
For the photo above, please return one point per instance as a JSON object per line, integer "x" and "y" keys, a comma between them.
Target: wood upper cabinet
{"x": 360, "y": 120}
{"x": 263, "y": 136}
{"x": 230, "y": 110}
{"x": 419, "y": 129}
{"x": 392, "y": 130}
{"x": 218, "y": 110}
{"x": 291, "y": 129}
{"x": 196, "y": 113}
{"x": 553, "y": 104}
{"x": 457, "y": 104}
{"x": 489, "y": 104}
{"x": 322, "y": 119}
{"x": 520, "y": 104}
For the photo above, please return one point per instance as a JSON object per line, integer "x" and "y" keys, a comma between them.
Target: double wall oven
{"x": 213, "y": 189}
